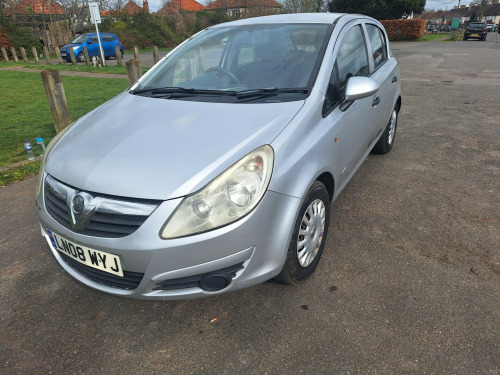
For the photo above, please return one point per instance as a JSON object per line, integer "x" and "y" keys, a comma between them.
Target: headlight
{"x": 75, "y": 48}
{"x": 226, "y": 199}
{"x": 46, "y": 153}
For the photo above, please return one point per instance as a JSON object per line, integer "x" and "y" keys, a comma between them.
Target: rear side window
{"x": 377, "y": 42}
{"x": 108, "y": 38}
{"x": 352, "y": 59}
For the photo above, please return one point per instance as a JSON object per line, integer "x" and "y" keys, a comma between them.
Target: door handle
{"x": 395, "y": 79}
{"x": 376, "y": 101}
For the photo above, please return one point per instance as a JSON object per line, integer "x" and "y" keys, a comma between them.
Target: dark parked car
{"x": 445, "y": 28}
{"x": 477, "y": 30}
{"x": 108, "y": 42}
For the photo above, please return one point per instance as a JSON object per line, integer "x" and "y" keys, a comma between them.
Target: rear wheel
{"x": 308, "y": 237}
{"x": 386, "y": 141}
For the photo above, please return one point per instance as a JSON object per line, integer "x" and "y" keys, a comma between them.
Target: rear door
{"x": 108, "y": 45}
{"x": 385, "y": 72}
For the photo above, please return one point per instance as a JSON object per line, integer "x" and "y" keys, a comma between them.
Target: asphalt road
{"x": 408, "y": 283}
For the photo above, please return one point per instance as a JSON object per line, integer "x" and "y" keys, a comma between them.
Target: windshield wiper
{"x": 270, "y": 91}
{"x": 162, "y": 90}
{"x": 182, "y": 91}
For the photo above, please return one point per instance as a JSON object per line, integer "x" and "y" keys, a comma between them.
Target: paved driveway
{"x": 408, "y": 283}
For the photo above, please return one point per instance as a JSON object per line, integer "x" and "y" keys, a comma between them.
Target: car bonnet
{"x": 134, "y": 146}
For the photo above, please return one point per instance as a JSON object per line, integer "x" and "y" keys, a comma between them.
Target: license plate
{"x": 474, "y": 34}
{"x": 63, "y": 54}
{"x": 90, "y": 257}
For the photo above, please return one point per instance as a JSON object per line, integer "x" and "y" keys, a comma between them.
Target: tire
{"x": 308, "y": 237}
{"x": 80, "y": 57}
{"x": 386, "y": 141}
{"x": 465, "y": 38}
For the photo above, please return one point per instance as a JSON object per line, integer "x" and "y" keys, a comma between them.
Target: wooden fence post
{"x": 5, "y": 56}
{"x": 118, "y": 56}
{"x": 134, "y": 71}
{"x": 58, "y": 54}
{"x": 14, "y": 54}
{"x": 23, "y": 54}
{"x": 86, "y": 55}
{"x": 47, "y": 54}
{"x": 57, "y": 98}
{"x": 136, "y": 53}
{"x": 72, "y": 56}
{"x": 35, "y": 53}
{"x": 156, "y": 55}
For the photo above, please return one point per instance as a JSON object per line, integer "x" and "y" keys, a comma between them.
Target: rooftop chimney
{"x": 145, "y": 6}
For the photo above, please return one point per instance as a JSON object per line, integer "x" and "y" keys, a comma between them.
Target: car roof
{"x": 293, "y": 18}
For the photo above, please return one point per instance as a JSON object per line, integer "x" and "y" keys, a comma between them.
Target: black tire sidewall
{"x": 293, "y": 272}
{"x": 383, "y": 146}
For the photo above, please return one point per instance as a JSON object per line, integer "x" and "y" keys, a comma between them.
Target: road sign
{"x": 95, "y": 15}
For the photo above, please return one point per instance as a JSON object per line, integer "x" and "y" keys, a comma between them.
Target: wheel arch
{"x": 327, "y": 179}
{"x": 398, "y": 104}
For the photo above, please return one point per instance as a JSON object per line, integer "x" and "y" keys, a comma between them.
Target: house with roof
{"x": 36, "y": 7}
{"x": 130, "y": 8}
{"x": 492, "y": 13}
{"x": 464, "y": 13}
{"x": 246, "y": 8}
{"x": 178, "y": 5}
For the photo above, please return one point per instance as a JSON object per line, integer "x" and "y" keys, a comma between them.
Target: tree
{"x": 379, "y": 9}
{"x": 304, "y": 6}
{"x": 482, "y": 4}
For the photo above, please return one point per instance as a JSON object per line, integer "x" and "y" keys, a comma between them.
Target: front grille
{"x": 130, "y": 280}
{"x": 103, "y": 221}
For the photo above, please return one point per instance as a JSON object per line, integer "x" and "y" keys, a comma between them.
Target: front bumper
{"x": 247, "y": 252}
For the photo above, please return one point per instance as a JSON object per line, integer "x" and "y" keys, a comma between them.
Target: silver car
{"x": 216, "y": 170}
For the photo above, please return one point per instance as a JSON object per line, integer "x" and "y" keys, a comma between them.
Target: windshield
{"x": 253, "y": 61}
{"x": 80, "y": 39}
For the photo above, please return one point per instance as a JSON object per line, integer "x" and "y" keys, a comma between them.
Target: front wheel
{"x": 80, "y": 57}
{"x": 308, "y": 237}
{"x": 386, "y": 141}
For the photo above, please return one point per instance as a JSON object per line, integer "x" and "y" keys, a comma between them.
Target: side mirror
{"x": 360, "y": 87}
{"x": 89, "y": 42}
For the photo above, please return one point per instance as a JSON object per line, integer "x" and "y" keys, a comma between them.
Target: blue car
{"x": 108, "y": 42}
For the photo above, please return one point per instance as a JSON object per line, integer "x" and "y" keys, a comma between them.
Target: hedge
{"x": 404, "y": 29}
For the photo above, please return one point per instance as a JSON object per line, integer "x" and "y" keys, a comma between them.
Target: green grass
{"x": 26, "y": 114}
{"x": 147, "y": 50}
{"x": 431, "y": 37}
{"x": 68, "y": 67}
{"x": 18, "y": 173}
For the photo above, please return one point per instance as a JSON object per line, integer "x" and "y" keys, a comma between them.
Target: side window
{"x": 377, "y": 42}
{"x": 108, "y": 38}
{"x": 352, "y": 59}
{"x": 94, "y": 39}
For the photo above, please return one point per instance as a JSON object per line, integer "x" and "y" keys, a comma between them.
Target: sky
{"x": 443, "y": 4}
{"x": 155, "y": 5}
